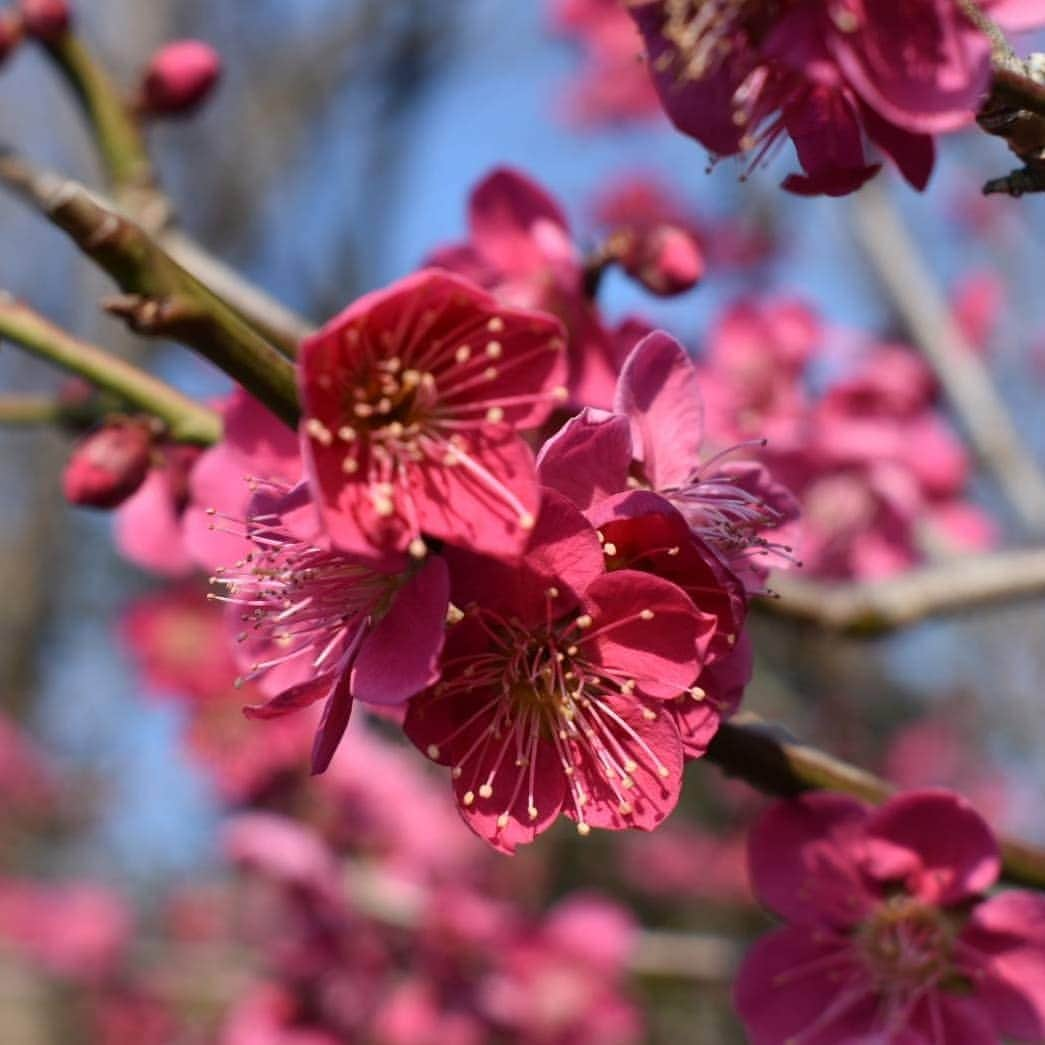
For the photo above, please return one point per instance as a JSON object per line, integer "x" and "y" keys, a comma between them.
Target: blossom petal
{"x": 937, "y": 843}
{"x": 399, "y": 656}
{"x": 587, "y": 460}
{"x": 647, "y": 629}
{"x": 805, "y": 859}
{"x": 1008, "y": 930}
{"x": 658, "y": 391}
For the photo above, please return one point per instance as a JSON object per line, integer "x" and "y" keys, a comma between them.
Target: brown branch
{"x": 764, "y": 756}
{"x": 965, "y": 380}
{"x": 181, "y": 306}
{"x": 874, "y": 607}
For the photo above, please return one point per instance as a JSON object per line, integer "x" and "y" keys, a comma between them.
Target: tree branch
{"x": 172, "y": 302}
{"x": 186, "y": 420}
{"x": 875, "y": 607}
{"x": 764, "y": 756}
{"x": 964, "y": 379}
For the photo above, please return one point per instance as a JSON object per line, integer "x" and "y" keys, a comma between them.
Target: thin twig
{"x": 764, "y": 756}
{"x": 185, "y": 419}
{"x": 172, "y": 303}
{"x": 874, "y": 607}
{"x": 966, "y": 382}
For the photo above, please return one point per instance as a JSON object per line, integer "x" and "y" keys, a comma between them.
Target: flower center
{"x": 906, "y": 945}
{"x": 543, "y": 687}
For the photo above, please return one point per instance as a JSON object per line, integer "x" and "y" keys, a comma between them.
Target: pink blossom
{"x": 889, "y": 937}
{"x": 654, "y": 440}
{"x": 612, "y": 85}
{"x": 181, "y": 76}
{"x": 554, "y": 681}
{"x": 740, "y": 77}
{"x": 978, "y": 301}
{"x": 564, "y": 982}
{"x": 413, "y": 400}
{"x": 322, "y": 625}
{"x": 148, "y": 526}
{"x": 76, "y": 930}
{"x": 109, "y": 465}
{"x": 520, "y": 247}
{"x": 180, "y": 644}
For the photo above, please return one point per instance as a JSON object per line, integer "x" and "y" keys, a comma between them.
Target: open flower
{"x": 889, "y": 936}
{"x": 316, "y": 624}
{"x": 413, "y": 399}
{"x": 554, "y": 682}
{"x": 653, "y": 441}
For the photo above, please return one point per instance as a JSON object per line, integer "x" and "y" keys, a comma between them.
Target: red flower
{"x": 413, "y": 400}
{"x": 890, "y": 939}
{"x": 553, "y": 688}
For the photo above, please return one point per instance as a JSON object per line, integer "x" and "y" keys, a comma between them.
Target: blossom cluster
{"x": 742, "y": 77}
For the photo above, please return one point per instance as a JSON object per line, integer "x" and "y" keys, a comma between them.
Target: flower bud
{"x": 180, "y": 77}
{"x": 47, "y": 20}
{"x": 664, "y": 259}
{"x": 10, "y": 32}
{"x": 108, "y": 465}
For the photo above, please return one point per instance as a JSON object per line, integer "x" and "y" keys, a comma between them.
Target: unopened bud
{"x": 46, "y": 20}
{"x": 180, "y": 78}
{"x": 665, "y": 259}
{"x": 10, "y": 32}
{"x": 108, "y": 465}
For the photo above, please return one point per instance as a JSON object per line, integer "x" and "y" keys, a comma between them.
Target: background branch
{"x": 967, "y": 384}
{"x": 173, "y": 303}
{"x": 874, "y": 607}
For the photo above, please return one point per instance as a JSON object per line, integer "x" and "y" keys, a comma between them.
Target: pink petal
{"x": 1008, "y": 931}
{"x": 660, "y": 653}
{"x": 945, "y": 69}
{"x": 265, "y": 444}
{"x": 658, "y": 391}
{"x": 587, "y": 460}
{"x": 399, "y": 656}
{"x": 936, "y": 842}
{"x": 804, "y": 856}
{"x": 802, "y": 984}
{"x": 333, "y": 724}
{"x": 148, "y": 529}
{"x": 514, "y": 222}
{"x": 481, "y": 505}
{"x": 293, "y": 699}
{"x": 656, "y": 782}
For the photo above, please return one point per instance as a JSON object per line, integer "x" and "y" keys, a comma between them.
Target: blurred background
{"x": 339, "y": 152}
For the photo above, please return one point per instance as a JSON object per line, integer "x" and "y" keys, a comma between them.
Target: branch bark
{"x": 764, "y": 756}
{"x": 875, "y": 607}
{"x": 184, "y": 309}
{"x": 185, "y": 419}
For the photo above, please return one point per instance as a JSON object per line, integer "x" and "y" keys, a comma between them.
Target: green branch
{"x": 186, "y": 420}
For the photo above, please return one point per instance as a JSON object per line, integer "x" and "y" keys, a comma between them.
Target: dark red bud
{"x": 180, "y": 78}
{"x": 47, "y": 20}
{"x": 665, "y": 259}
{"x": 109, "y": 465}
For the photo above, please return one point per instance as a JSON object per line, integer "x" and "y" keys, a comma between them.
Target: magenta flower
{"x": 520, "y": 247}
{"x": 413, "y": 399}
{"x": 317, "y": 624}
{"x": 554, "y": 682}
{"x": 741, "y": 77}
{"x": 890, "y": 938}
{"x": 654, "y": 441}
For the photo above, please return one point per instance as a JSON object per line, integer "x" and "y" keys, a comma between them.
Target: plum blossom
{"x": 317, "y": 624}
{"x": 413, "y": 400}
{"x": 890, "y": 937}
{"x": 554, "y": 685}
{"x": 654, "y": 440}
{"x": 740, "y": 76}
{"x": 520, "y": 247}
